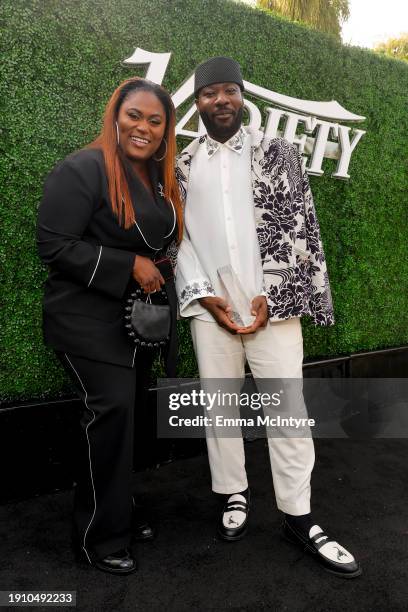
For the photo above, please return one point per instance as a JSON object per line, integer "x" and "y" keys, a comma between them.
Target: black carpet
{"x": 359, "y": 496}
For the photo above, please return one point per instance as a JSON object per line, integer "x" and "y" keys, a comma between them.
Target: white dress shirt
{"x": 219, "y": 225}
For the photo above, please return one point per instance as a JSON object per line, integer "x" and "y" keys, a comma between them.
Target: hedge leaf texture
{"x": 61, "y": 60}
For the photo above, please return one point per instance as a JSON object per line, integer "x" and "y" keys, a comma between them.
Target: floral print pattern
{"x": 195, "y": 290}
{"x": 236, "y": 142}
{"x": 293, "y": 260}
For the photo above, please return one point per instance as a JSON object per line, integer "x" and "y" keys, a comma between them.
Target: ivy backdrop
{"x": 61, "y": 60}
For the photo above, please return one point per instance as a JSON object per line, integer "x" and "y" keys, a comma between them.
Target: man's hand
{"x": 220, "y": 310}
{"x": 147, "y": 274}
{"x": 259, "y": 309}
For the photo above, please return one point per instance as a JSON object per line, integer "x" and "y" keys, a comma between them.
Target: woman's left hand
{"x": 147, "y": 274}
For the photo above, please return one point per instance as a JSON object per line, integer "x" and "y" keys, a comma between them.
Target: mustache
{"x": 217, "y": 130}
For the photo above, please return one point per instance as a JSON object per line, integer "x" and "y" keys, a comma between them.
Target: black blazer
{"x": 90, "y": 256}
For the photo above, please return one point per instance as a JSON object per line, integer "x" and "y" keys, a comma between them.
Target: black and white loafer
{"x": 329, "y": 553}
{"x": 234, "y": 518}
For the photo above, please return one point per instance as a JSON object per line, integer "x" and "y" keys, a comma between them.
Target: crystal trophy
{"x": 236, "y": 297}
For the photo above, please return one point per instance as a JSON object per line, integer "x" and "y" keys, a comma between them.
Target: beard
{"x": 222, "y": 133}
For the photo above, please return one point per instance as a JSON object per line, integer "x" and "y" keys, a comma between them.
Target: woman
{"x": 108, "y": 211}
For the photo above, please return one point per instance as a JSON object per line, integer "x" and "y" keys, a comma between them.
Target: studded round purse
{"x": 148, "y": 317}
{"x": 148, "y": 322}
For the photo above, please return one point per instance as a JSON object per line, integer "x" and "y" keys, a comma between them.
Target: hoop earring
{"x": 165, "y": 153}
{"x": 117, "y": 132}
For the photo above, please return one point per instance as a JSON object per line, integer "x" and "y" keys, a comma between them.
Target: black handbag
{"x": 148, "y": 317}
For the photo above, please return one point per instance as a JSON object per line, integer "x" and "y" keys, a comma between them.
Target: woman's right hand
{"x": 147, "y": 274}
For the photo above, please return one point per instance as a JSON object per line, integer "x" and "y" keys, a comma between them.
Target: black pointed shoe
{"x": 233, "y": 524}
{"x": 329, "y": 553}
{"x": 142, "y": 529}
{"x": 121, "y": 562}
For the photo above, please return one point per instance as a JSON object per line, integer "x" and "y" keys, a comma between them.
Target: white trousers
{"x": 275, "y": 351}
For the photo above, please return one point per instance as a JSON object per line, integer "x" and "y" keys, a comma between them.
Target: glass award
{"x": 236, "y": 297}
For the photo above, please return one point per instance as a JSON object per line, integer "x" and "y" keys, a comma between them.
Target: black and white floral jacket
{"x": 293, "y": 260}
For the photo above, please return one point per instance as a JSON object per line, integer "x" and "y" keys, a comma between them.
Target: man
{"x": 249, "y": 207}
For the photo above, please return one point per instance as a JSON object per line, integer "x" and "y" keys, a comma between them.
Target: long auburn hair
{"x": 107, "y": 141}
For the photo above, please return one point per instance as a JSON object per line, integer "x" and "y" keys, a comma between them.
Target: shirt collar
{"x": 235, "y": 143}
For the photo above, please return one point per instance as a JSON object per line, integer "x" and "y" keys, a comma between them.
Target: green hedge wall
{"x": 60, "y": 62}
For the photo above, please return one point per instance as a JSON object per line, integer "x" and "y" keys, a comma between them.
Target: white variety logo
{"x": 319, "y": 119}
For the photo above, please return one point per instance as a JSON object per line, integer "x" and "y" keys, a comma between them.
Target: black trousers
{"x": 111, "y": 396}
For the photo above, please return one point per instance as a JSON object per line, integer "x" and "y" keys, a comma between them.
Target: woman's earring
{"x": 117, "y": 132}
{"x": 165, "y": 153}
